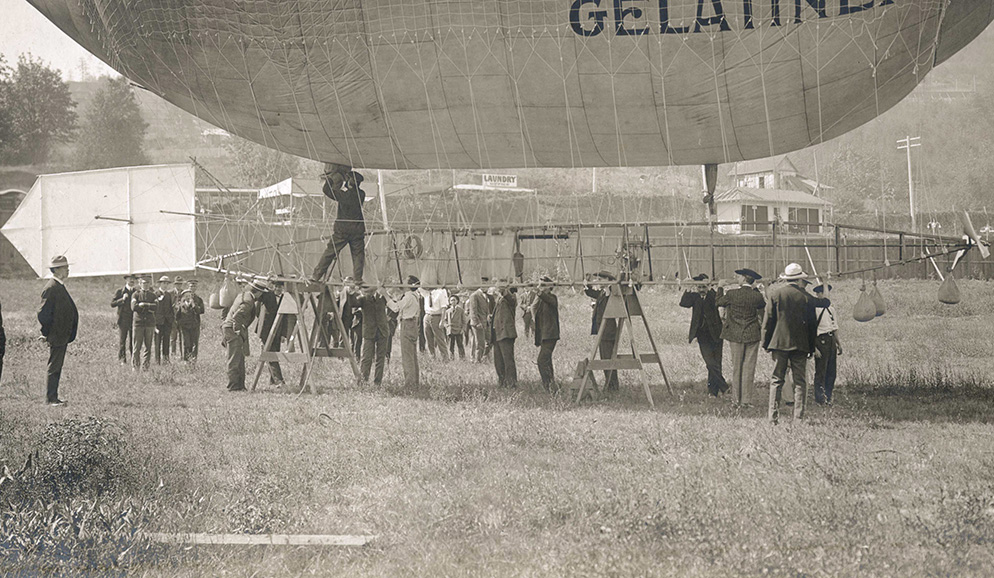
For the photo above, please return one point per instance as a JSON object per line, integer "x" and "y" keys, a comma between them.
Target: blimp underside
{"x": 406, "y": 84}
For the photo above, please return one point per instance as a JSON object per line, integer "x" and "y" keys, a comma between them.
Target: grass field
{"x": 461, "y": 479}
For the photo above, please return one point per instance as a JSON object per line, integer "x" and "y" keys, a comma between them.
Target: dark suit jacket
{"x": 165, "y": 313}
{"x": 122, "y": 301}
{"x": 546, "y": 314}
{"x": 705, "y": 315}
{"x": 58, "y": 315}
{"x": 791, "y": 324}
{"x": 503, "y": 319}
{"x": 597, "y": 315}
{"x": 479, "y": 309}
{"x": 744, "y": 314}
{"x": 269, "y": 306}
{"x": 144, "y": 304}
{"x": 374, "y": 315}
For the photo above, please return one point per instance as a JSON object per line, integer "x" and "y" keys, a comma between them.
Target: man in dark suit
{"x": 791, "y": 328}
{"x": 479, "y": 312}
{"x": 610, "y": 336}
{"x": 189, "y": 308}
{"x": 165, "y": 316}
{"x": 504, "y": 333}
{"x": 125, "y": 317}
{"x": 742, "y": 330}
{"x": 545, "y": 313}
{"x": 350, "y": 228}
{"x": 144, "y": 303}
{"x": 59, "y": 321}
{"x": 375, "y": 331}
{"x": 269, "y": 305}
{"x": 705, "y": 326}
{"x": 176, "y": 335}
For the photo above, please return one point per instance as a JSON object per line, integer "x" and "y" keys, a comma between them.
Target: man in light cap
{"x": 176, "y": 335}
{"x": 165, "y": 316}
{"x": 125, "y": 317}
{"x": 189, "y": 308}
{"x": 59, "y": 321}
{"x": 827, "y": 348}
{"x": 349, "y": 229}
{"x": 790, "y": 332}
{"x": 144, "y": 304}
{"x": 235, "y": 331}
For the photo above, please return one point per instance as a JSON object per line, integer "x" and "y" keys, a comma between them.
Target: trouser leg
{"x": 330, "y": 255}
{"x": 275, "y": 371}
{"x": 831, "y": 367}
{"x": 56, "y": 357}
{"x": 439, "y": 331}
{"x": 780, "y": 359}
{"x": 3, "y": 349}
{"x": 545, "y": 367}
{"x": 610, "y": 376}
{"x": 799, "y": 369}
{"x": 235, "y": 360}
{"x": 479, "y": 343}
{"x": 711, "y": 352}
{"x": 357, "y": 244}
{"x": 380, "y": 347}
{"x": 409, "y": 351}
{"x": 499, "y": 366}
{"x": 749, "y": 371}
{"x": 124, "y": 343}
{"x": 429, "y": 334}
{"x": 366, "y": 361}
{"x": 504, "y": 349}
{"x": 737, "y": 354}
{"x": 459, "y": 345}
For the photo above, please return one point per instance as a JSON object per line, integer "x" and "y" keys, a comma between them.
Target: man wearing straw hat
{"x": 59, "y": 321}
{"x": 235, "y": 330}
{"x": 350, "y": 228}
{"x": 790, "y": 332}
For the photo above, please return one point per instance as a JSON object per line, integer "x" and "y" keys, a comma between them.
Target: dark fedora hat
{"x": 821, "y": 288}
{"x": 749, "y": 273}
{"x": 606, "y": 275}
{"x": 701, "y": 277}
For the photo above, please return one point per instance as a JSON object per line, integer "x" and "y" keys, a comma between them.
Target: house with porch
{"x": 768, "y": 192}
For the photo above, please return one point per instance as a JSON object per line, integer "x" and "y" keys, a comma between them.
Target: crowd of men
{"x": 790, "y": 322}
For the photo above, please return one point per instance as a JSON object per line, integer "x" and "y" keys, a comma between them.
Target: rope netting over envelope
{"x": 405, "y": 84}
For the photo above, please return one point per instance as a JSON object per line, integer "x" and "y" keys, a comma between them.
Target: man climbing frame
{"x": 349, "y": 228}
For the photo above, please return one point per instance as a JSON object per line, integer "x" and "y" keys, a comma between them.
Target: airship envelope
{"x": 405, "y": 84}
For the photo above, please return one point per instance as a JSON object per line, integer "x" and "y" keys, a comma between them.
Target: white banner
{"x": 280, "y": 189}
{"x": 500, "y": 181}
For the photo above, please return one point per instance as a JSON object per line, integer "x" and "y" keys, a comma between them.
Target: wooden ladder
{"x": 300, "y": 307}
{"x": 622, "y": 304}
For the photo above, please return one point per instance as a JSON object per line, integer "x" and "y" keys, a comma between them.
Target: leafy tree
{"x": 255, "y": 165}
{"x": 37, "y": 111}
{"x": 114, "y": 130}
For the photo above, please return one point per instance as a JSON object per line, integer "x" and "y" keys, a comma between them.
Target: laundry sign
{"x": 500, "y": 180}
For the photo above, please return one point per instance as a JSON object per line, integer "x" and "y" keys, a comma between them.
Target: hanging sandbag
{"x": 227, "y": 292}
{"x": 865, "y": 309}
{"x": 213, "y": 301}
{"x": 878, "y": 300}
{"x": 948, "y": 291}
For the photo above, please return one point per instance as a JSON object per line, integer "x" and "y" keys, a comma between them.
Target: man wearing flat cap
{"x": 349, "y": 229}
{"x": 595, "y": 291}
{"x": 545, "y": 312}
{"x": 705, "y": 327}
{"x": 827, "y": 348}
{"x": 269, "y": 306}
{"x": 742, "y": 329}
{"x": 791, "y": 328}
{"x": 125, "y": 317}
{"x": 235, "y": 331}
{"x": 144, "y": 304}
{"x": 59, "y": 321}
{"x": 165, "y": 317}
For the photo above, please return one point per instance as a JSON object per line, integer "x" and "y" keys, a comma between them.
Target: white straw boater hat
{"x": 792, "y": 272}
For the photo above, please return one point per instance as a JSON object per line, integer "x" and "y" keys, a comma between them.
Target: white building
{"x": 770, "y": 191}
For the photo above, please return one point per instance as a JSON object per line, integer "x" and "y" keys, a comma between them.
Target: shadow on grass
{"x": 934, "y": 394}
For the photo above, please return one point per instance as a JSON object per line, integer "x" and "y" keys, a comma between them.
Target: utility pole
{"x": 910, "y": 142}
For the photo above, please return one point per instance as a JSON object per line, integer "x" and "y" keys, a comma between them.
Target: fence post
{"x": 838, "y": 261}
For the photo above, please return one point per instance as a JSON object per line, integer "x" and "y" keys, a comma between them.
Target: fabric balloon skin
{"x": 415, "y": 84}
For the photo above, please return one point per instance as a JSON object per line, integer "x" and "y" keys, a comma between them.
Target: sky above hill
{"x": 24, "y": 30}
